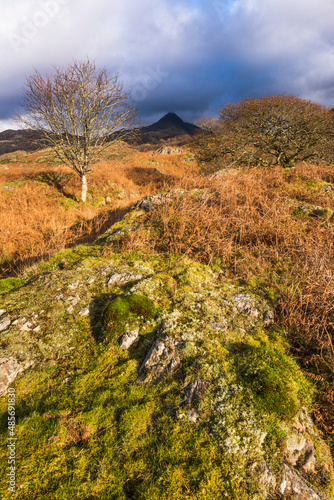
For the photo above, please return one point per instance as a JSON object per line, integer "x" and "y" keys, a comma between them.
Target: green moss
{"x": 87, "y": 429}
{"x": 127, "y": 310}
{"x": 68, "y": 204}
{"x": 97, "y": 202}
{"x": 8, "y": 284}
{"x": 275, "y": 380}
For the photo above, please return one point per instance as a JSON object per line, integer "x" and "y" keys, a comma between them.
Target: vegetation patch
{"x": 93, "y": 429}
{"x": 128, "y": 312}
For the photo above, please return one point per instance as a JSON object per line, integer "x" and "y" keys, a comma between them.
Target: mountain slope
{"x": 171, "y": 122}
{"x": 141, "y": 376}
{"x": 26, "y": 140}
{"x": 169, "y": 126}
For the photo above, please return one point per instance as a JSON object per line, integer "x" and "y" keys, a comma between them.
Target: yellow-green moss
{"x": 86, "y": 429}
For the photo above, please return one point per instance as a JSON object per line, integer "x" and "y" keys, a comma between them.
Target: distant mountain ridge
{"x": 171, "y": 121}
{"x": 170, "y": 126}
{"x": 25, "y": 140}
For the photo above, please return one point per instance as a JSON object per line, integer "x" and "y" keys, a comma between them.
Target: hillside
{"x": 123, "y": 359}
{"x": 169, "y": 127}
{"x": 14, "y": 140}
{"x": 182, "y": 350}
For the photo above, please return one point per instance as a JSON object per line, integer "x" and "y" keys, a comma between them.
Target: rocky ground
{"x": 145, "y": 376}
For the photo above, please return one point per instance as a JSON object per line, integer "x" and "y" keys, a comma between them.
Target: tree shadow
{"x": 93, "y": 229}
{"x": 96, "y": 307}
{"x": 57, "y": 180}
{"x": 144, "y": 176}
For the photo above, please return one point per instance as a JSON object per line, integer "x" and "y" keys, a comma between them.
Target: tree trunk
{"x": 83, "y": 188}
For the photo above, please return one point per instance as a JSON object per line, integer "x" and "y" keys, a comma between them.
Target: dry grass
{"x": 39, "y": 211}
{"x": 245, "y": 223}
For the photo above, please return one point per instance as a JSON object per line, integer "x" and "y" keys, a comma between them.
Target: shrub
{"x": 272, "y": 130}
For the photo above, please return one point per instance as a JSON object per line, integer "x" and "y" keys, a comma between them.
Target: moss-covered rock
{"x": 126, "y": 312}
{"x": 206, "y": 404}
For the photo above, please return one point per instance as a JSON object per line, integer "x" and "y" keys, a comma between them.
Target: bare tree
{"x": 78, "y": 109}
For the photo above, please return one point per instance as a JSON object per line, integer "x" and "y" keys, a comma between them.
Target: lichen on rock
{"x": 163, "y": 359}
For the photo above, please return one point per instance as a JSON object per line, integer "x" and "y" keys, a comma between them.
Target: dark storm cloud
{"x": 187, "y": 56}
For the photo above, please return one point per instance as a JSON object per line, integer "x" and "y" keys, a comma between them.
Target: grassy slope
{"x": 87, "y": 429}
{"x": 95, "y": 432}
{"x": 40, "y": 213}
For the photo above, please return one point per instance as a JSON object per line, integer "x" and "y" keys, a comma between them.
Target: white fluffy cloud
{"x": 187, "y": 56}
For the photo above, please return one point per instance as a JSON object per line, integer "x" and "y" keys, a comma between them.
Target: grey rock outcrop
{"x": 162, "y": 359}
{"x": 295, "y": 486}
{"x": 129, "y": 339}
{"x": 9, "y": 369}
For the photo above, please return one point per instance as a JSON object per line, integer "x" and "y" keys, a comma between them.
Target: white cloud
{"x": 225, "y": 48}
{"x": 8, "y": 124}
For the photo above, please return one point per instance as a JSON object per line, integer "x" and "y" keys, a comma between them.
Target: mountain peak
{"x": 172, "y": 121}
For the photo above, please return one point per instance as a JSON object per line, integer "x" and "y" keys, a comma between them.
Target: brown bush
{"x": 243, "y": 221}
{"x": 39, "y": 215}
{"x": 271, "y": 130}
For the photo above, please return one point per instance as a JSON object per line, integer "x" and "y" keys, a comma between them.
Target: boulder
{"x": 130, "y": 338}
{"x": 161, "y": 360}
{"x": 9, "y": 369}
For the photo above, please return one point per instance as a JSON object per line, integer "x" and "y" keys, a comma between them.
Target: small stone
{"x": 295, "y": 445}
{"x": 74, "y": 285}
{"x": 5, "y": 323}
{"x": 245, "y": 304}
{"x": 84, "y": 312}
{"x": 9, "y": 368}
{"x": 37, "y": 329}
{"x": 123, "y": 278}
{"x": 129, "y": 338}
{"x": 2, "y": 311}
{"x": 26, "y": 327}
{"x": 193, "y": 390}
{"x": 268, "y": 317}
{"x": 161, "y": 360}
{"x": 219, "y": 327}
{"x": 75, "y": 301}
{"x": 310, "y": 462}
{"x": 193, "y": 415}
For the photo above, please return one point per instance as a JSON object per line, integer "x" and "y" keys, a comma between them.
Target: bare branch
{"x": 77, "y": 109}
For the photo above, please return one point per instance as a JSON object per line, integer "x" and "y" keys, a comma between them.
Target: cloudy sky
{"x": 186, "y": 56}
